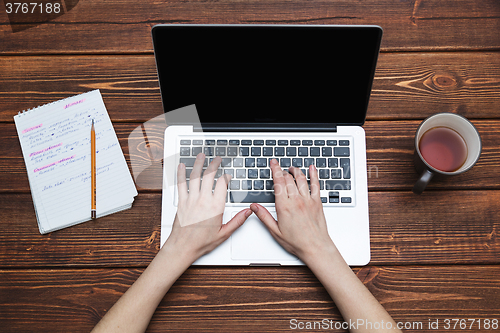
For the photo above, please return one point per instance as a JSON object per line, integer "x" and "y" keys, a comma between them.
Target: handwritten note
{"x": 55, "y": 140}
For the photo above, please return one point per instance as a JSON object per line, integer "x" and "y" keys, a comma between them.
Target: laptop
{"x": 251, "y": 93}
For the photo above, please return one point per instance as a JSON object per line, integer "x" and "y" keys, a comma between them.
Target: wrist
{"x": 320, "y": 254}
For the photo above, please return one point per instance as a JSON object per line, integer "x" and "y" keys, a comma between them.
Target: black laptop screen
{"x": 268, "y": 74}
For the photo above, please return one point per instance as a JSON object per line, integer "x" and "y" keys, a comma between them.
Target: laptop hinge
{"x": 265, "y": 127}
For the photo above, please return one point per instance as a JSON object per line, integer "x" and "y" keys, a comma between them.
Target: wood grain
{"x": 243, "y": 299}
{"x": 406, "y": 86}
{"x": 390, "y": 148}
{"x": 440, "y": 227}
{"x": 114, "y": 27}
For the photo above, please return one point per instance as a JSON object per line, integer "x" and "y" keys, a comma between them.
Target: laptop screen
{"x": 255, "y": 74}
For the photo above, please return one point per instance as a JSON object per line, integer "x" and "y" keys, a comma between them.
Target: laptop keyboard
{"x": 247, "y": 161}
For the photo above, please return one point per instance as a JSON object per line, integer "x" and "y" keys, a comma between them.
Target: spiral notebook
{"x": 55, "y": 142}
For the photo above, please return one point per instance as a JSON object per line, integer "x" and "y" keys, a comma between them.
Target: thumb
{"x": 236, "y": 222}
{"x": 266, "y": 218}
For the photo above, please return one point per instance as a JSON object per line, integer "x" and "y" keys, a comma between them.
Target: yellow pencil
{"x": 93, "y": 214}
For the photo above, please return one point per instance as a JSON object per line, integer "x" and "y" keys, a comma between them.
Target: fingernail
{"x": 181, "y": 166}
{"x": 254, "y": 208}
{"x": 248, "y": 213}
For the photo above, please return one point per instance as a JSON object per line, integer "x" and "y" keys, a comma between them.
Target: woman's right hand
{"x": 301, "y": 227}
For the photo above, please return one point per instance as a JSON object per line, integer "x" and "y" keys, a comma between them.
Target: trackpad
{"x": 253, "y": 242}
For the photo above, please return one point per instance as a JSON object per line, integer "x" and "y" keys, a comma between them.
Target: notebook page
{"x": 55, "y": 140}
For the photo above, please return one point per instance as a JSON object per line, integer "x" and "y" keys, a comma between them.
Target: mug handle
{"x": 420, "y": 185}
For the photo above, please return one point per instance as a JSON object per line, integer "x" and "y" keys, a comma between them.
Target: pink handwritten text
{"x": 74, "y": 103}
{"x": 31, "y": 128}
{"x": 54, "y": 163}
{"x": 46, "y": 149}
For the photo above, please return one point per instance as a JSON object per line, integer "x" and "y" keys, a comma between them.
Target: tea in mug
{"x": 443, "y": 148}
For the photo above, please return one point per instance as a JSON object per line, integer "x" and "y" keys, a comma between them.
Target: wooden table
{"x": 435, "y": 257}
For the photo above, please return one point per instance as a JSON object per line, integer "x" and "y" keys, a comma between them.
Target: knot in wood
{"x": 444, "y": 81}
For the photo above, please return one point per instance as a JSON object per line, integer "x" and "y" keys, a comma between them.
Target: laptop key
{"x": 249, "y": 162}
{"x": 251, "y": 196}
{"x": 308, "y": 162}
{"x": 285, "y": 163}
{"x": 307, "y": 142}
{"x": 331, "y": 142}
{"x": 209, "y": 151}
{"x": 303, "y": 151}
{"x": 241, "y": 173}
{"x": 188, "y": 161}
{"x": 253, "y": 173}
{"x": 336, "y": 174}
{"x": 337, "y": 185}
{"x": 326, "y": 151}
{"x": 220, "y": 151}
{"x": 234, "y": 185}
{"x": 238, "y": 162}
{"x": 258, "y": 184}
{"x": 261, "y": 162}
{"x": 333, "y": 162}
{"x": 324, "y": 173}
{"x": 267, "y": 151}
{"x": 246, "y": 184}
{"x": 297, "y": 162}
{"x": 345, "y": 164}
{"x": 255, "y": 151}
{"x": 341, "y": 151}
{"x": 244, "y": 151}
{"x": 321, "y": 162}
{"x": 265, "y": 173}
{"x": 343, "y": 142}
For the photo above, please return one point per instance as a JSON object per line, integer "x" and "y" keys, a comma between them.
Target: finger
{"x": 209, "y": 174}
{"x": 195, "y": 178}
{"x": 266, "y": 218}
{"x": 291, "y": 187}
{"x": 313, "y": 175}
{"x": 236, "y": 222}
{"x": 220, "y": 192}
{"x": 278, "y": 180}
{"x": 181, "y": 182}
{"x": 301, "y": 181}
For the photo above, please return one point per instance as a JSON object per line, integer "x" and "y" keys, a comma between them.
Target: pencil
{"x": 93, "y": 214}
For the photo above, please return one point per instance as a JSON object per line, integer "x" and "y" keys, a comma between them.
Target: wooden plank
{"x": 390, "y": 148}
{"x": 112, "y": 27}
{"x": 439, "y": 227}
{"x": 406, "y": 86}
{"x": 246, "y": 299}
